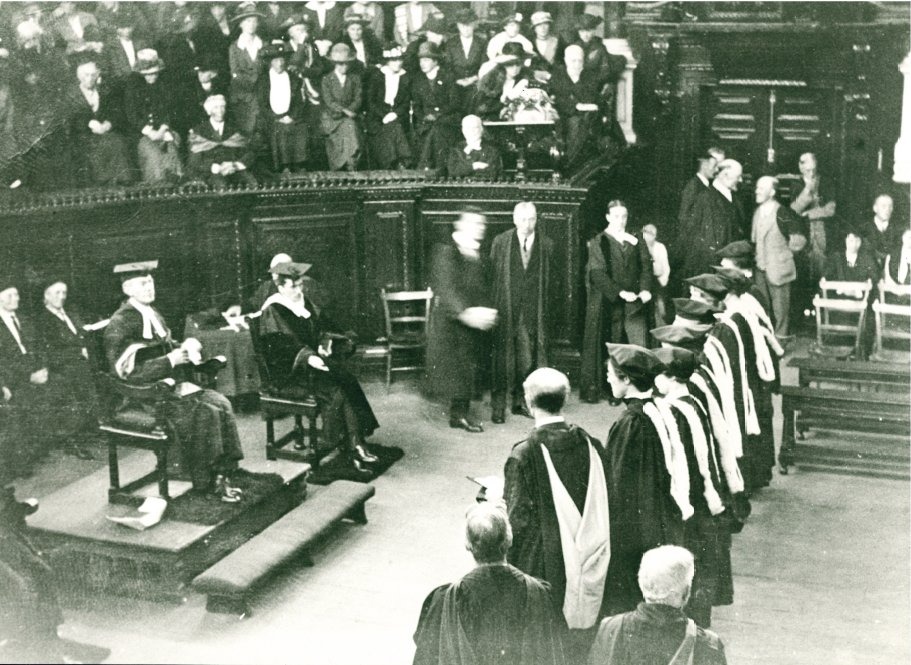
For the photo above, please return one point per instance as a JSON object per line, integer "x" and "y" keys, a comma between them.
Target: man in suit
{"x": 619, "y": 280}
{"x": 435, "y": 108}
{"x": 716, "y": 220}
{"x": 881, "y": 237}
{"x": 139, "y": 349}
{"x": 707, "y": 165}
{"x": 580, "y": 104}
{"x": 466, "y": 53}
{"x": 476, "y": 159}
{"x": 219, "y": 153}
{"x": 773, "y": 227}
{"x": 522, "y": 264}
{"x": 23, "y": 382}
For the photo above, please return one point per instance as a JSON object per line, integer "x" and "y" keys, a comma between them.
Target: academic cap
{"x": 637, "y": 362}
{"x": 739, "y": 249}
{"x": 127, "y": 271}
{"x": 678, "y": 362}
{"x": 691, "y": 338}
{"x": 734, "y": 280}
{"x": 710, "y": 283}
{"x": 694, "y": 310}
{"x": 291, "y": 269}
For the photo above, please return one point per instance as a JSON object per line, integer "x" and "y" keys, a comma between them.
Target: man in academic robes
{"x": 496, "y": 614}
{"x": 643, "y": 511}
{"x": 219, "y": 153}
{"x": 522, "y": 263}
{"x": 716, "y": 220}
{"x": 139, "y": 349}
{"x": 461, "y": 313}
{"x": 306, "y": 356}
{"x": 556, "y": 485}
{"x": 619, "y": 279}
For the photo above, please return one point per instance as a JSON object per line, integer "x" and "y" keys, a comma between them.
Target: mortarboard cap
{"x": 291, "y": 269}
{"x": 636, "y": 362}
{"x": 710, "y": 283}
{"x": 127, "y": 271}
{"x": 678, "y": 362}
{"x": 686, "y": 337}
{"x": 739, "y": 249}
{"x": 734, "y": 280}
{"x": 696, "y": 311}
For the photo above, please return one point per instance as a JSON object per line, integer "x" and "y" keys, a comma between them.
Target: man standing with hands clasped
{"x": 618, "y": 279}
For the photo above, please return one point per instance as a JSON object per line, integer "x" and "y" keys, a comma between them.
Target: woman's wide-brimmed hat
{"x": 393, "y": 52}
{"x": 510, "y": 54}
{"x": 341, "y": 53}
{"x": 246, "y": 10}
{"x": 148, "y": 62}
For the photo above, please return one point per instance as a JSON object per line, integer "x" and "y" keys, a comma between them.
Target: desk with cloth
{"x": 240, "y": 376}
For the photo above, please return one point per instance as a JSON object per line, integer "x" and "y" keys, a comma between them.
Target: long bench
{"x": 866, "y": 376}
{"x": 230, "y": 582}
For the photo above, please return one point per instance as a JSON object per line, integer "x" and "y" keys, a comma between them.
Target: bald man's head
{"x": 546, "y": 389}
{"x": 730, "y": 173}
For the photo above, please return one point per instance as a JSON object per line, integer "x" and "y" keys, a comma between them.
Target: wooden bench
{"x": 856, "y": 375}
{"x": 229, "y": 583}
{"x": 840, "y": 410}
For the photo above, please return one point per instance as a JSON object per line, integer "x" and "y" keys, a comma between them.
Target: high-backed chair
{"x": 275, "y": 404}
{"x": 892, "y": 311}
{"x": 137, "y": 416}
{"x": 406, "y": 315}
{"x": 849, "y": 302}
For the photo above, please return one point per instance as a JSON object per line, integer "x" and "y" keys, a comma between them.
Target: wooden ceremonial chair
{"x": 276, "y": 404}
{"x": 406, "y": 313}
{"x": 886, "y": 312}
{"x": 832, "y": 299}
{"x": 137, "y": 416}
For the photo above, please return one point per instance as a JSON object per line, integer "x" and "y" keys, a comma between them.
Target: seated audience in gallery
{"x": 305, "y": 60}
{"x": 511, "y": 34}
{"x": 880, "y": 235}
{"x": 493, "y": 614}
{"x": 434, "y": 32}
{"x": 387, "y": 120}
{"x": 374, "y": 19}
{"x": 435, "y": 108}
{"x": 854, "y": 262}
{"x": 219, "y": 153}
{"x": 151, "y": 116}
{"x": 97, "y": 127}
{"x": 327, "y": 21}
{"x": 549, "y": 46}
{"x": 474, "y": 157}
{"x": 208, "y": 81}
{"x": 341, "y": 99}
{"x": 465, "y": 53}
{"x": 595, "y": 55}
{"x": 411, "y": 19}
{"x": 366, "y": 49}
{"x": 243, "y": 57}
{"x": 70, "y": 383}
{"x": 504, "y": 83}
{"x": 76, "y": 30}
{"x": 306, "y": 354}
{"x": 139, "y": 349}
{"x": 122, "y": 43}
{"x": 282, "y": 111}
{"x": 580, "y": 104}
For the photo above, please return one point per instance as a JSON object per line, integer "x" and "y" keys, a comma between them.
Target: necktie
{"x": 16, "y": 324}
{"x": 17, "y": 333}
{"x": 525, "y": 252}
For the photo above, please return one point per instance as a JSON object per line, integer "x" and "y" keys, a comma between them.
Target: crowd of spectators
{"x": 114, "y": 93}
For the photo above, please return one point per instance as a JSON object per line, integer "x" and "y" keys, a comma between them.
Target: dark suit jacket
{"x": 16, "y": 367}
{"x": 567, "y": 94}
{"x": 375, "y": 104}
{"x": 108, "y": 109}
{"x": 714, "y": 223}
{"x": 460, "y": 65}
{"x": 336, "y": 97}
{"x": 864, "y": 268}
{"x": 59, "y": 346}
{"x": 881, "y": 243}
{"x": 148, "y": 104}
{"x": 334, "y": 27}
{"x": 459, "y": 165}
{"x": 439, "y": 97}
{"x": 372, "y": 50}
{"x": 116, "y": 64}
{"x": 688, "y": 197}
{"x": 626, "y": 268}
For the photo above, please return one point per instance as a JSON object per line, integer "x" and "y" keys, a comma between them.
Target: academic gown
{"x": 713, "y": 223}
{"x": 287, "y": 341}
{"x": 494, "y": 615}
{"x": 643, "y": 514}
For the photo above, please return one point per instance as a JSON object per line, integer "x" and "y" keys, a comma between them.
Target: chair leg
{"x": 389, "y": 368}
{"x": 113, "y": 468}
{"x": 163, "y": 489}
{"x": 313, "y": 433}
{"x": 270, "y": 439}
{"x": 299, "y": 431}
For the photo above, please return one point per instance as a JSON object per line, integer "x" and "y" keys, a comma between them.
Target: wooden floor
{"x": 821, "y": 569}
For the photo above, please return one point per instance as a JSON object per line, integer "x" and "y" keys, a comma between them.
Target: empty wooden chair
{"x": 892, "y": 312}
{"x": 406, "y": 315}
{"x": 848, "y": 302}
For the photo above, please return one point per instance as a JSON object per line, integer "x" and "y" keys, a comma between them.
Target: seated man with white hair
{"x": 219, "y": 153}
{"x": 495, "y": 613}
{"x": 658, "y": 631}
{"x": 476, "y": 158}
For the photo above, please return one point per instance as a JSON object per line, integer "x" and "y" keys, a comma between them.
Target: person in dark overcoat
{"x": 461, "y": 312}
{"x": 475, "y": 157}
{"x": 366, "y": 49}
{"x": 70, "y": 383}
{"x": 706, "y": 166}
{"x": 523, "y": 274}
{"x": 139, "y": 349}
{"x": 327, "y": 20}
{"x": 246, "y": 68}
{"x": 282, "y": 111}
{"x": 305, "y": 354}
{"x": 619, "y": 282}
{"x": 579, "y": 103}
{"x": 342, "y": 96}
{"x": 465, "y": 54}
{"x": 219, "y": 152}
{"x": 435, "y": 108}
{"x": 387, "y": 105}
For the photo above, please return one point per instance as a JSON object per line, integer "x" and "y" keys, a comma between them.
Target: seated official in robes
{"x": 658, "y": 631}
{"x": 282, "y": 110}
{"x": 341, "y": 95}
{"x": 387, "y": 105}
{"x": 96, "y": 125}
{"x": 219, "y": 153}
{"x": 139, "y": 349}
{"x": 495, "y": 613}
{"x": 23, "y": 382}
{"x": 556, "y": 484}
{"x": 70, "y": 383}
{"x": 475, "y": 158}
{"x": 306, "y": 356}
{"x": 151, "y": 114}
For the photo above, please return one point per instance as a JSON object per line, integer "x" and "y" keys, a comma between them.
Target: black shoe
{"x": 467, "y": 425}
{"x": 613, "y": 401}
{"x": 521, "y": 410}
{"x": 359, "y": 471}
{"x": 361, "y": 455}
{"x": 498, "y": 417}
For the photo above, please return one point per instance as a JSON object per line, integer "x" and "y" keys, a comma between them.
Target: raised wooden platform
{"x": 88, "y": 552}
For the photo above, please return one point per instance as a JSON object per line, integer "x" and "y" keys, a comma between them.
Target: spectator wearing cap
{"x": 504, "y": 83}
{"x": 410, "y": 18}
{"x": 644, "y": 513}
{"x": 375, "y": 22}
{"x": 657, "y": 630}
{"x": 580, "y": 105}
{"x": 327, "y": 21}
{"x": 213, "y": 37}
{"x": 151, "y": 117}
{"x": 387, "y": 104}
{"x": 619, "y": 283}
{"x": 434, "y": 32}
{"x": 435, "y": 108}
{"x": 512, "y": 32}
{"x": 596, "y": 56}
{"x": 282, "y": 112}
{"x": 97, "y": 124}
{"x": 365, "y": 48}
{"x": 341, "y": 94}
{"x": 476, "y": 158}
{"x": 548, "y": 46}
{"x": 219, "y": 152}
{"x": 466, "y": 53}
{"x": 776, "y": 234}
{"x": 243, "y": 58}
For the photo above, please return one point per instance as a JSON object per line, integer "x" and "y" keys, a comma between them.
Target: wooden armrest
{"x": 150, "y": 392}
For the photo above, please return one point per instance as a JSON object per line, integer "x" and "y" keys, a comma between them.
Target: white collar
{"x": 634, "y": 393}
{"x": 275, "y": 74}
{"x": 882, "y": 226}
{"x": 725, "y": 192}
{"x": 473, "y": 146}
{"x": 150, "y": 320}
{"x": 703, "y": 179}
{"x": 299, "y": 309}
{"x": 851, "y": 258}
{"x": 622, "y": 236}
{"x": 548, "y": 420}
{"x": 432, "y": 74}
